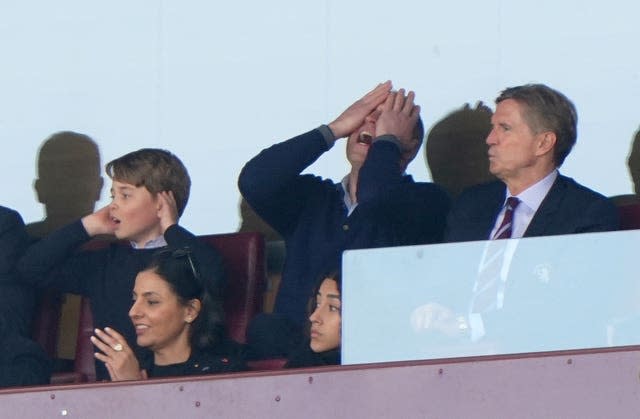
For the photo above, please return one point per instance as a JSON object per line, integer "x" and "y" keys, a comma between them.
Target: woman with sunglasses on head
{"x": 179, "y": 317}
{"x": 325, "y": 332}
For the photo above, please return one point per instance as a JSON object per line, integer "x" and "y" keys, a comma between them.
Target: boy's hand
{"x": 352, "y": 118}
{"x": 100, "y": 222}
{"x": 168, "y": 212}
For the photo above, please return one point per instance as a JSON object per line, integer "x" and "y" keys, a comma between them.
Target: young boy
{"x": 149, "y": 193}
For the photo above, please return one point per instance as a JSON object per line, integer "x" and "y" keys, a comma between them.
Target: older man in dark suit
{"x": 533, "y": 131}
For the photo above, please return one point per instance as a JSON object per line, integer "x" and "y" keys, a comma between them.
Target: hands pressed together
{"x": 394, "y": 112}
{"x": 398, "y": 118}
{"x": 354, "y": 116}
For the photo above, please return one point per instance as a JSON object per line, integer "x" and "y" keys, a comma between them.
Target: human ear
{"x": 192, "y": 310}
{"x": 156, "y": 198}
{"x": 547, "y": 142}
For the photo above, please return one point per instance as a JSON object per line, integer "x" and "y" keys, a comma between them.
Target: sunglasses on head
{"x": 183, "y": 252}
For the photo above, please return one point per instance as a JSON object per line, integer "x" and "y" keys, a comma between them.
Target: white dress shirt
{"x": 530, "y": 200}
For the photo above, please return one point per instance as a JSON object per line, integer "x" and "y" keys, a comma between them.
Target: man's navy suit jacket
{"x": 568, "y": 208}
{"x": 540, "y": 307}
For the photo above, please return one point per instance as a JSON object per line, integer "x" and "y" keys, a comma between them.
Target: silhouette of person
{"x": 69, "y": 181}
{"x": 456, "y": 150}
{"x": 68, "y": 184}
{"x": 633, "y": 162}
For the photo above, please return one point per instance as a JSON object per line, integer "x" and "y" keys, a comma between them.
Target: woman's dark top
{"x": 305, "y": 357}
{"x": 218, "y": 361}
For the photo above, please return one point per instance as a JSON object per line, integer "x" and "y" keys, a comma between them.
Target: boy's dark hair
{"x": 179, "y": 268}
{"x": 156, "y": 169}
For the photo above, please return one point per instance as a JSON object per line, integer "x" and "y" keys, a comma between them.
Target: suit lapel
{"x": 544, "y": 217}
{"x": 488, "y": 212}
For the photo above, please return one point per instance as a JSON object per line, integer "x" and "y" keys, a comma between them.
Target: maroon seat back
{"x": 84, "y": 363}
{"x": 46, "y": 322}
{"x": 243, "y": 255}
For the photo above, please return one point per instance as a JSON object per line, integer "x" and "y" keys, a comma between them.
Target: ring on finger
{"x": 118, "y": 347}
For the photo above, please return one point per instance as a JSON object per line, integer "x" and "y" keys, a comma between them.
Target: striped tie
{"x": 488, "y": 281}
{"x": 504, "y": 232}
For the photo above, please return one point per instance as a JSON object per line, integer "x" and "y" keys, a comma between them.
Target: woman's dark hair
{"x": 334, "y": 274}
{"x": 179, "y": 268}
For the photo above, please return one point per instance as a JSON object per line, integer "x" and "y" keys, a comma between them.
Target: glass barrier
{"x": 493, "y": 297}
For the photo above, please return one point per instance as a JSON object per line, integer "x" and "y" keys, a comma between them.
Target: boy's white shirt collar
{"x": 152, "y": 244}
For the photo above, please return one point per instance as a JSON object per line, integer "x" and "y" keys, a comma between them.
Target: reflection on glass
{"x": 481, "y": 298}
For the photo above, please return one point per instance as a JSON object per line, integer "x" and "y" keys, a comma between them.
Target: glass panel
{"x": 494, "y": 297}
